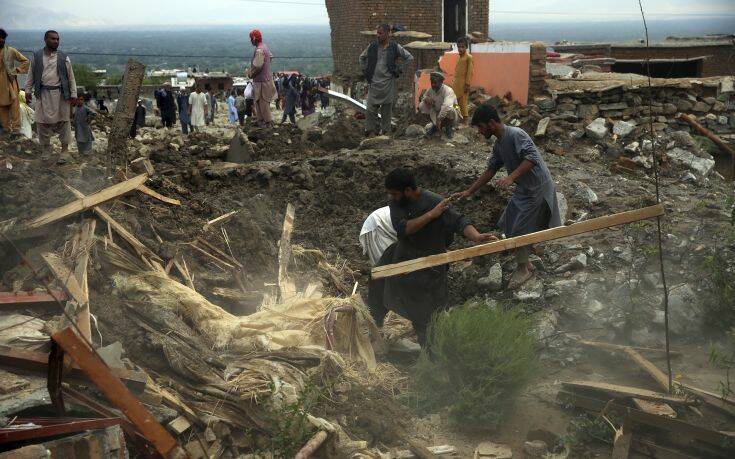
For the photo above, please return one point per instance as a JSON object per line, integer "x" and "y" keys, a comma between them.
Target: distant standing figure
{"x": 167, "y": 105}
{"x": 51, "y": 81}
{"x": 231, "y": 110}
{"x": 250, "y": 102}
{"x": 10, "y": 116}
{"x": 211, "y": 105}
{"x": 138, "y": 119}
{"x": 264, "y": 90}
{"x": 382, "y": 63}
{"x": 240, "y": 107}
{"x": 198, "y": 109}
{"x": 463, "y": 76}
{"x": 291, "y": 98}
{"x": 82, "y": 130}
{"x": 182, "y": 100}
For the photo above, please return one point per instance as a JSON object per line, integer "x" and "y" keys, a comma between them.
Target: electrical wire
{"x": 86, "y": 53}
{"x": 658, "y": 198}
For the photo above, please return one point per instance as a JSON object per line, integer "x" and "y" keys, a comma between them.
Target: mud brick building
{"x": 442, "y": 20}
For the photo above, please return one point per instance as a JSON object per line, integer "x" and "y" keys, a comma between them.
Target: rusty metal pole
{"x": 122, "y": 118}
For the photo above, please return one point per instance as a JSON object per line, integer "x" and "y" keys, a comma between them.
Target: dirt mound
{"x": 342, "y": 132}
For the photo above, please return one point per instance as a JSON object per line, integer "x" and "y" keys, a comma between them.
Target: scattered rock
{"x": 241, "y": 149}
{"x": 700, "y": 107}
{"x": 633, "y": 147}
{"x": 587, "y": 112}
{"x": 536, "y": 448}
{"x": 492, "y": 450}
{"x": 683, "y": 105}
{"x": 460, "y": 139}
{"x": 623, "y": 128}
{"x": 563, "y": 206}
{"x": 542, "y": 126}
{"x": 578, "y": 262}
{"x": 702, "y": 166}
{"x": 373, "y": 143}
{"x": 531, "y": 290}
{"x": 494, "y": 280}
{"x": 308, "y": 122}
{"x": 586, "y": 194}
{"x": 597, "y": 129}
{"x": 684, "y": 313}
{"x": 415, "y": 130}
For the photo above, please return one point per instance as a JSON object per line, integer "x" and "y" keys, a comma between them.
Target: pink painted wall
{"x": 499, "y": 68}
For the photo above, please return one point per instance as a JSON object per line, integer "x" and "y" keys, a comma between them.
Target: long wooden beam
{"x": 82, "y": 204}
{"x": 118, "y": 394}
{"x": 520, "y": 241}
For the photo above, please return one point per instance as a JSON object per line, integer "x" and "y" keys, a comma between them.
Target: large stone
{"x": 308, "y": 122}
{"x": 493, "y": 450}
{"x": 684, "y": 105}
{"x": 563, "y": 206}
{"x": 531, "y": 290}
{"x": 494, "y": 279}
{"x": 615, "y": 106}
{"x": 597, "y": 129}
{"x": 702, "y": 166}
{"x": 588, "y": 111}
{"x": 415, "y": 130}
{"x": 586, "y": 194}
{"x": 544, "y": 103}
{"x": 669, "y": 109}
{"x": 623, "y": 128}
{"x": 241, "y": 149}
{"x": 684, "y": 313}
{"x": 373, "y": 143}
{"x": 700, "y": 107}
{"x": 718, "y": 107}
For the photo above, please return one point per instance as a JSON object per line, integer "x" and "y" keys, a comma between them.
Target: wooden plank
{"x": 520, "y": 241}
{"x": 218, "y": 251}
{"x": 179, "y": 425}
{"x": 618, "y": 347}
{"x": 622, "y": 441}
{"x": 65, "y": 276}
{"x": 713, "y": 437}
{"x": 654, "y": 407}
{"x": 221, "y": 218}
{"x": 627, "y": 391}
{"x": 138, "y": 246}
{"x": 37, "y": 362}
{"x": 85, "y": 239}
{"x": 216, "y": 260}
{"x": 16, "y": 299}
{"x": 116, "y": 392}
{"x": 285, "y": 288}
{"x": 155, "y": 194}
{"x": 82, "y": 204}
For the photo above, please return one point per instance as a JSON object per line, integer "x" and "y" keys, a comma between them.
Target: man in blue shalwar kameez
{"x": 533, "y": 206}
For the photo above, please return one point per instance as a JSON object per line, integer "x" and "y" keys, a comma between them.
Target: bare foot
{"x": 520, "y": 276}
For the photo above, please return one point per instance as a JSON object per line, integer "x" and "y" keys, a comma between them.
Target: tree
{"x": 85, "y": 76}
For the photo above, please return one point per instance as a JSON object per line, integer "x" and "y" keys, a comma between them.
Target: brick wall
{"x": 721, "y": 62}
{"x": 347, "y": 18}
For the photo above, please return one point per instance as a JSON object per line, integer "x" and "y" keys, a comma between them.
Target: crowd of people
{"x": 52, "y": 86}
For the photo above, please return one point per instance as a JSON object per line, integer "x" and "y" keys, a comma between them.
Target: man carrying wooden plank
{"x": 425, "y": 225}
{"x": 533, "y": 206}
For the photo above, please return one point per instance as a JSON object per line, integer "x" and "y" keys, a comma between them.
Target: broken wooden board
{"x": 654, "y": 407}
{"x": 117, "y": 393}
{"x": 286, "y": 289}
{"x": 685, "y": 429}
{"x": 26, "y": 299}
{"x": 82, "y": 204}
{"x": 179, "y": 425}
{"x": 619, "y": 347}
{"x": 220, "y": 219}
{"x": 22, "y": 359}
{"x": 83, "y": 242}
{"x": 515, "y": 242}
{"x": 629, "y": 392}
{"x": 155, "y": 194}
{"x": 66, "y": 277}
{"x": 622, "y": 441}
{"x": 138, "y": 246}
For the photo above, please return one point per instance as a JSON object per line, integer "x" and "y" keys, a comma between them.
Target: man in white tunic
{"x": 440, "y": 103}
{"x": 198, "y": 109}
{"x": 51, "y": 81}
{"x": 377, "y": 234}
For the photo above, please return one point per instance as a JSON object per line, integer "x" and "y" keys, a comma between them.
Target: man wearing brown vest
{"x": 51, "y": 81}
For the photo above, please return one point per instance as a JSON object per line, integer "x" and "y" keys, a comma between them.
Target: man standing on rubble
{"x": 440, "y": 104}
{"x": 9, "y": 90}
{"x": 382, "y": 63}
{"x": 264, "y": 90}
{"x": 533, "y": 206}
{"x": 463, "y": 73}
{"x": 425, "y": 225}
{"x": 51, "y": 81}
{"x": 198, "y": 109}
{"x": 166, "y": 105}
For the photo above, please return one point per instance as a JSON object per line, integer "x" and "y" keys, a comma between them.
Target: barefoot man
{"x": 533, "y": 206}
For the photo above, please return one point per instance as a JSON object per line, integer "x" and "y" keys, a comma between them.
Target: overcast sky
{"x": 42, "y": 14}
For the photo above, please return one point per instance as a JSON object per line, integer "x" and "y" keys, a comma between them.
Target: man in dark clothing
{"x": 382, "y": 63}
{"x": 166, "y": 105}
{"x": 138, "y": 119}
{"x": 425, "y": 226}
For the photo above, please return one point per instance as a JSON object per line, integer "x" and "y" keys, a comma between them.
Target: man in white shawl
{"x": 377, "y": 234}
{"x": 198, "y": 109}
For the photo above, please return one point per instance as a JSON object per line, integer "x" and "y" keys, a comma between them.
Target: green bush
{"x": 480, "y": 360}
